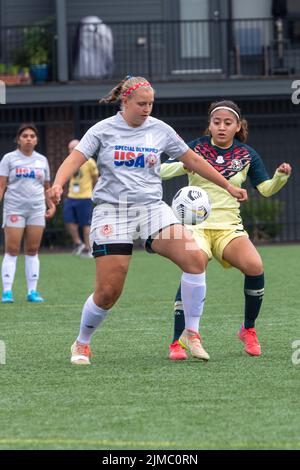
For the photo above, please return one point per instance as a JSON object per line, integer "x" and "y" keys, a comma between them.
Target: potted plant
{"x": 10, "y": 74}
{"x": 39, "y": 65}
{"x": 34, "y": 55}
{"x": 37, "y": 52}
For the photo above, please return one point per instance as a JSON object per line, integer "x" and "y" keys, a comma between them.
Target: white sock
{"x": 193, "y": 289}
{"x": 32, "y": 271}
{"x": 92, "y": 316}
{"x": 8, "y": 270}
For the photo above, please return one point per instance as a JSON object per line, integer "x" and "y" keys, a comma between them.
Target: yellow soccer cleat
{"x": 191, "y": 340}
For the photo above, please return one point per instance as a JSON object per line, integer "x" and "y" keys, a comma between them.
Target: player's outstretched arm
{"x": 270, "y": 187}
{"x": 66, "y": 170}
{"x": 194, "y": 162}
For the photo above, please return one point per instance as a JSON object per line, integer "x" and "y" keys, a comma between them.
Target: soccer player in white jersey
{"x": 24, "y": 177}
{"x": 222, "y": 235}
{"x": 129, "y": 202}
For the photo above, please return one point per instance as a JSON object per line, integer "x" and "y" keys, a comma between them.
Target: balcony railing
{"x": 162, "y": 50}
{"x": 24, "y": 46}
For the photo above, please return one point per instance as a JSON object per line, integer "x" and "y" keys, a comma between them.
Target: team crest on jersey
{"x": 107, "y": 230}
{"x": 236, "y": 165}
{"x": 14, "y": 218}
{"x": 228, "y": 164}
{"x": 151, "y": 160}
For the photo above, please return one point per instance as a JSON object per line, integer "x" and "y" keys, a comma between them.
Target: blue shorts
{"x": 78, "y": 211}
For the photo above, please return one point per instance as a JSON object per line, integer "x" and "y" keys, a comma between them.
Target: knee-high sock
{"x": 254, "y": 292}
{"x": 92, "y": 316}
{"x": 179, "y": 323}
{"x": 193, "y": 289}
{"x": 32, "y": 271}
{"x": 8, "y": 271}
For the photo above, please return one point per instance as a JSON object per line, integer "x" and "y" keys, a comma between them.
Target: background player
{"x": 24, "y": 176}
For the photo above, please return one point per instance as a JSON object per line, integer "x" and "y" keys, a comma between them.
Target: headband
{"x": 228, "y": 109}
{"x": 135, "y": 87}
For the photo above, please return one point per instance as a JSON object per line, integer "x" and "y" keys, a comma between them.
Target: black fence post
{"x": 149, "y": 51}
{"x": 76, "y": 120}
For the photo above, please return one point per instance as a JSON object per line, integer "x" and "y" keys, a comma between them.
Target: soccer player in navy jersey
{"x": 222, "y": 234}
{"x": 129, "y": 204}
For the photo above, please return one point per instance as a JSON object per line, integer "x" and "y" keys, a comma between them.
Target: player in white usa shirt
{"x": 24, "y": 176}
{"x": 129, "y": 202}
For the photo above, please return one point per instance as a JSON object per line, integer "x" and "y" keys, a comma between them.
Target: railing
{"x": 163, "y": 50}
{"x": 172, "y": 50}
{"x": 22, "y": 47}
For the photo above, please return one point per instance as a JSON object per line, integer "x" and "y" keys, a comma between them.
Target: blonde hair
{"x": 124, "y": 87}
{"x": 242, "y": 134}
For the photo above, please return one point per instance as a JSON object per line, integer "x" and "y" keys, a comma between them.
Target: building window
{"x": 194, "y": 33}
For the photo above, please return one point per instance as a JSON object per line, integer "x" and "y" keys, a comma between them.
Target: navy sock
{"x": 254, "y": 292}
{"x": 179, "y": 322}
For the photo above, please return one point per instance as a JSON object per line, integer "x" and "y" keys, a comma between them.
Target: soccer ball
{"x": 191, "y": 205}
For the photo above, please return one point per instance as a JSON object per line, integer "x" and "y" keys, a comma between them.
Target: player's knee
{"x": 254, "y": 268}
{"x": 194, "y": 263}
{"x": 107, "y": 296}
{"x": 31, "y": 251}
{"x": 12, "y": 251}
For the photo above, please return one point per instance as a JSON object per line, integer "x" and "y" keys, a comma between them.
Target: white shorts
{"x": 117, "y": 224}
{"x": 11, "y": 219}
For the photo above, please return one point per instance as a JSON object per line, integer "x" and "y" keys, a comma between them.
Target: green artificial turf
{"x": 132, "y": 396}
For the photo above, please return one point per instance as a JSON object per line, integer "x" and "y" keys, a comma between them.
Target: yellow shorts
{"x": 213, "y": 242}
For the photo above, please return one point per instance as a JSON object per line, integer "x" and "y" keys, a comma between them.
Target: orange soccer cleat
{"x": 250, "y": 340}
{"x": 177, "y": 352}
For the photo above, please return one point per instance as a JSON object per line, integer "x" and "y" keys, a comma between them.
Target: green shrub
{"x": 261, "y": 217}
{"x": 36, "y": 48}
{"x": 55, "y": 233}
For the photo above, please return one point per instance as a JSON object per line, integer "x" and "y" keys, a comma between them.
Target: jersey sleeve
{"x": 272, "y": 186}
{"x": 90, "y": 143}
{"x": 257, "y": 171}
{"x": 192, "y": 144}
{"x": 175, "y": 147}
{"x": 4, "y": 166}
{"x": 171, "y": 169}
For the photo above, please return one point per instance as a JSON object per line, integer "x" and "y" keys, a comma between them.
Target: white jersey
{"x": 26, "y": 178}
{"x": 128, "y": 158}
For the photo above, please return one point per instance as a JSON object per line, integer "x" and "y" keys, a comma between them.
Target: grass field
{"x": 132, "y": 396}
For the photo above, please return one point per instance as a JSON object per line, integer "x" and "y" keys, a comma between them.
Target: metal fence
{"x": 274, "y": 127}
{"x": 163, "y": 50}
{"x": 172, "y": 50}
{"x": 24, "y": 46}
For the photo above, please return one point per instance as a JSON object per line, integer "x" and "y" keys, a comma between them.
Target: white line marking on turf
{"x": 147, "y": 444}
